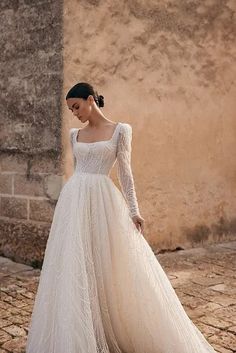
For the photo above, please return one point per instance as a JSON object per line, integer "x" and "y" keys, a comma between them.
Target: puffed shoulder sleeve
{"x": 124, "y": 171}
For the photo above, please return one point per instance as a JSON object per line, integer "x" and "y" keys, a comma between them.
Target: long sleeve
{"x": 124, "y": 171}
{"x": 71, "y": 136}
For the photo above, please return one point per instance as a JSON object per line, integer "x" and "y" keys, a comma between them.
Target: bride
{"x": 101, "y": 288}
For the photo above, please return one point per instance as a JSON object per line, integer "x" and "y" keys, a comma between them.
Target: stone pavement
{"x": 204, "y": 279}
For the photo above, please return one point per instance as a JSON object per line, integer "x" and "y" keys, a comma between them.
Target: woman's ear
{"x": 90, "y": 99}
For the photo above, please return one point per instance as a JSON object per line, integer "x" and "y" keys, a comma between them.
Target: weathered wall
{"x": 30, "y": 124}
{"x": 168, "y": 68}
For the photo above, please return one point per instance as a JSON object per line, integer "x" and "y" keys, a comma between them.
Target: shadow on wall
{"x": 202, "y": 233}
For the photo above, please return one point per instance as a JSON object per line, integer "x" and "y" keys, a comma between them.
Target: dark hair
{"x": 83, "y": 90}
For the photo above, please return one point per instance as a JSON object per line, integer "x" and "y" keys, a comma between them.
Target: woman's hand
{"x": 139, "y": 222}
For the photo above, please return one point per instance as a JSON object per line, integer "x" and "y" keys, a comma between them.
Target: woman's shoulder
{"x": 126, "y": 127}
{"x": 125, "y": 132}
{"x": 72, "y": 132}
{"x": 72, "y": 129}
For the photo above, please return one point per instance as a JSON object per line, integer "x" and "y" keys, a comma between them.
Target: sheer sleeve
{"x": 124, "y": 171}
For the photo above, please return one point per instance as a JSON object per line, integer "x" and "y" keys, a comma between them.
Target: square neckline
{"x": 90, "y": 143}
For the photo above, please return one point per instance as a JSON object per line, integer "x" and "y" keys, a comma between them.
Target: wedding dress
{"x": 101, "y": 288}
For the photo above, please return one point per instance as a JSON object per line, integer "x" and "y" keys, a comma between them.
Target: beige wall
{"x": 168, "y": 68}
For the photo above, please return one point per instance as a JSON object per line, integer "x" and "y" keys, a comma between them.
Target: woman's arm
{"x": 124, "y": 171}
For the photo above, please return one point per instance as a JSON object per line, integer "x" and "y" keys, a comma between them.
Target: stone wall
{"x": 168, "y": 68}
{"x": 30, "y": 119}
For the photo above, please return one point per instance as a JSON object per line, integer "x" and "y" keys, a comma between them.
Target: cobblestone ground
{"x": 204, "y": 279}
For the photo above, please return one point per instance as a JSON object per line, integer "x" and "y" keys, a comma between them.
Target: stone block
{"x": 207, "y": 330}
{"x": 13, "y": 207}
{"x": 224, "y": 339}
{"x": 220, "y": 349}
{"x": 6, "y": 183}
{"x": 32, "y": 185}
{"x": 41, "y": 210}
{"x": 228, "y": 313}
{"x": 44, "y": 164}
{"x": 14, "y": 330}
{"x": 16, "y": 345}
{"x": 4, "y": 322}
{"x": 224, "y": 300}
{"x": 219, "y": 287}
{"x": 23, "y": 241}
{"x": 215, "y": 322}
{"x": 4, "y": 336}
{"x": 13, "y": 163}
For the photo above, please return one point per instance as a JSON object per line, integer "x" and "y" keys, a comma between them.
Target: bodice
{"x": 95, "y": 157}
{"x": 99, "y": 157}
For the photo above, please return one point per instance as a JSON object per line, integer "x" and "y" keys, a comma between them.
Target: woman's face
{"x": 80, "y": 107}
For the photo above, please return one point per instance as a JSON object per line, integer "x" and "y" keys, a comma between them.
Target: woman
{"x": 101, "y": 288}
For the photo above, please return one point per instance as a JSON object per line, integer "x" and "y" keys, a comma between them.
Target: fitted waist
{"x": 92, "y": 168}
{"x": 90, "y": 173}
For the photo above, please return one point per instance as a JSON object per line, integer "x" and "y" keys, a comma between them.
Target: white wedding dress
{"x": 101, "y": 288}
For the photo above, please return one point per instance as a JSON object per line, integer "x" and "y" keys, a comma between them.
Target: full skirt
{"x": 101, "y": 288}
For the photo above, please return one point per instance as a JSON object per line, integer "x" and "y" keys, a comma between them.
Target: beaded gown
{"x": 101, "y": 288}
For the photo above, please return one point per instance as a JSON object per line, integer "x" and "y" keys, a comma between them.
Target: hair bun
{"x": 101, "y": 101}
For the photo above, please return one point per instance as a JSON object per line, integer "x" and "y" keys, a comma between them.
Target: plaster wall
{"x": 167, "y": 68}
